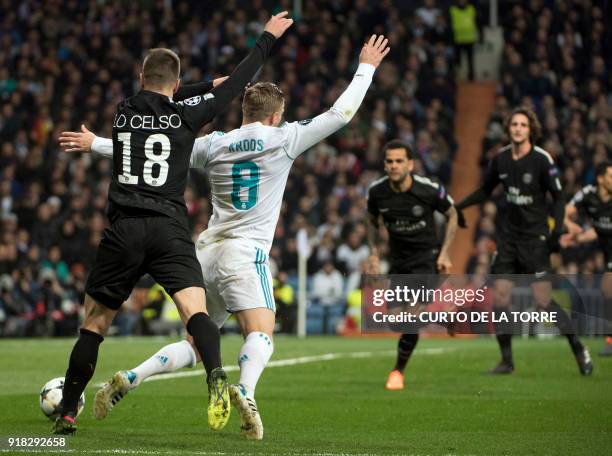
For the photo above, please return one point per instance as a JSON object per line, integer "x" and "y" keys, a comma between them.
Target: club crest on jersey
{"x": 417, "y": 210}
{"x": 193, "y": 101}
{"x": 527, "y": 178}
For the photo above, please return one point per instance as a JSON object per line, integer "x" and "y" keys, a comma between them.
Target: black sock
{"x": 566, "y": 327}
{"x": 207, "y": 340}
{"x": 505, "y": 346}
{"x": 503, "y": 332}
{"x": 81, "y": 368}
{"x": 405, "y": 347}
{"x": 607, "y": 315}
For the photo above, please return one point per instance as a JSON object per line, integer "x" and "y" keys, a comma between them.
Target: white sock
{"x": 253, "y": 357}
{"x": 170, "y": 358}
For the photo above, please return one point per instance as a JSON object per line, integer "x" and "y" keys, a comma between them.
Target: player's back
{"x": 248, "y": 170}
{"x": 152, "y": 141}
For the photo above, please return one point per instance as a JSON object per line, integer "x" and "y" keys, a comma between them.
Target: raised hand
{"x": 219, "y": 81}
{"x": 374, "y": 50}
{"x": 74, "y": 141}
{"x": 278, "y": 24}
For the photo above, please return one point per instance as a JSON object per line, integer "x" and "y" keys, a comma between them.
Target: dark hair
{"x": 535, "y": 128}
{"x": 161, "y": 67}
{"x": 600, "y": 170}
{"x": 262, "y": 100}
{"x": 398, "y": 144}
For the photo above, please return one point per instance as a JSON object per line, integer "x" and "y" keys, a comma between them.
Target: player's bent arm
{"x": 305, "y": 134}
{"x": 451, "y": 228}
{"x": 589, "y": 235}
{"x": 570, "y": 215}
{"x": 372, "y": 232}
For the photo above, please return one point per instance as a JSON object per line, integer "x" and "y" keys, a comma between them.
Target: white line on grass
{"x": 295, "y": 362}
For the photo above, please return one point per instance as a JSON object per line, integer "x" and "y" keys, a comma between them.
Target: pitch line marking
{"x": 294, "y": 362}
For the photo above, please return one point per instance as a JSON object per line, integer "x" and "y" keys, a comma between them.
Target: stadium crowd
{"x": 67, "y": 63}
{"x": 556, "y": 59}
{"x": 63, "y": 63}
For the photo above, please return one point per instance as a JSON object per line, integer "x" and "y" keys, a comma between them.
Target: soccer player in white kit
{"x": 248, "y": 170}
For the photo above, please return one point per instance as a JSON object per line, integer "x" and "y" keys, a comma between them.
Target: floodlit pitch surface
{"x": 326, "y": 396}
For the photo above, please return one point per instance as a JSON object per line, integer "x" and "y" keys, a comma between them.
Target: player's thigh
{"x": 534, "y": 258}
{"x": 171, "y": 257}
{"x": 215, "y": 305}
{"x": 504, "y": 259}
{"x": 119, "y": 263}
{"x": 606, "y": 284}
{"x": 244, "y": 280}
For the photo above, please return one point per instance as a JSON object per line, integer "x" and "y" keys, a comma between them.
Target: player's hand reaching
{"x": 278, "y": 24}
{"x": 219, "y": 81}
{"x": 74, "y": 141}
{"x": 444, "y": 263}
{"x": 374, "y": 50}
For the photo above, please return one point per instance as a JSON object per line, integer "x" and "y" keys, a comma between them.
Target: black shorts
{"x": 133, "y": 246}
{"x": 529, "y": 256}
{"x": 418, "y": 262}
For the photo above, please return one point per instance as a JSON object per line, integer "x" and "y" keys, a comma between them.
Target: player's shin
{"x": 81, "y": 368}
{"x": 206, "y": 338}
{"x": 503, "y": 333}
{"x": 253, "y": 358}
{"x": 168, "y": 359}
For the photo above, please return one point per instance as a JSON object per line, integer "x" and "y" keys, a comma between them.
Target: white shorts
{"x": 236, "y": 276}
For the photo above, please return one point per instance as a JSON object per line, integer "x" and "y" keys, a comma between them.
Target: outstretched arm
{"x": 199, "y": 88}
{"x": 306, "y": 133}
{"x": 86, "y": 141}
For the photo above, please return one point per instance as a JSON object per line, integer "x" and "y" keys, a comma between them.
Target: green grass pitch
{"x": 336, "y": 406}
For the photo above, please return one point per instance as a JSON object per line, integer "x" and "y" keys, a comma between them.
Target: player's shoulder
{"x": 543, "y": 155}
{"x": 425, "y": 185}
{"x": 378, "y": 186}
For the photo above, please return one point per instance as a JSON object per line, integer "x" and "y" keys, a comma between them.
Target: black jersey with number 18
{"x": 153, "y": 137}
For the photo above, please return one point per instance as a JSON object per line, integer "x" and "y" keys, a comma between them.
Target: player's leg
{"x": 173, "y": 264}
{"x": 542, "y": 295}
{"x": 247, "y": 293}
{"x": 422, "y": 267}
{"x": 257, "y": 326}
{"x": 82, "y": 363}
{"x": 606, "y": 289}
{"x": 502, "y": 289}
{"x": 116, "y": 270}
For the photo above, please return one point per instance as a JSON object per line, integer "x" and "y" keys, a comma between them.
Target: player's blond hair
{"x": 161, "y": 67}
{"x": 261, "y": 100}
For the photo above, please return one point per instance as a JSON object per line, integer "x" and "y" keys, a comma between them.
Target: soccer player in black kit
{"x": 524, "y": 242}
{"x": 594, "y": 203}
{"x": 407, "y": 202}
{"x": 153, "y": 137}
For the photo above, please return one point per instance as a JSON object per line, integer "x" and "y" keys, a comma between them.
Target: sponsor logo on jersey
{"x": 417, "y": 210}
